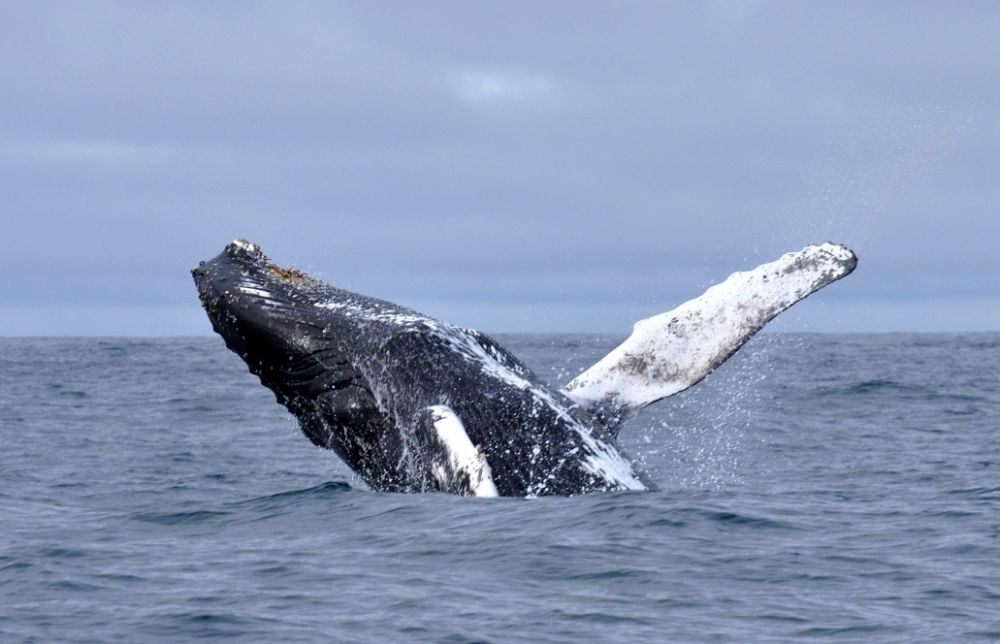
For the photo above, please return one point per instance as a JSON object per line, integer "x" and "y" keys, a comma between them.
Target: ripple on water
{"x": 180, "y": 518}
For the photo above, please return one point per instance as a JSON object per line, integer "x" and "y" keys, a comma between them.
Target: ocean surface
{"x": 816, "y": 487}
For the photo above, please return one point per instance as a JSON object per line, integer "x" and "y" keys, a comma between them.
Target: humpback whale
{"x": 412, "y": 404}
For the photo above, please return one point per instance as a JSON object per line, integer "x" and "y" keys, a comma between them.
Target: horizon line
{"x": 537, "y": 333}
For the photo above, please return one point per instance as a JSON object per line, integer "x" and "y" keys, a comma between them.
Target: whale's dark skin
{"x": 365, "y": 377}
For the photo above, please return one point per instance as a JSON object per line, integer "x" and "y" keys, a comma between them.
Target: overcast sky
{"x": 511, "y": 166}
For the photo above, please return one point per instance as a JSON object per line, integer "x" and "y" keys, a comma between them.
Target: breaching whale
{"x": 412, "y": 404}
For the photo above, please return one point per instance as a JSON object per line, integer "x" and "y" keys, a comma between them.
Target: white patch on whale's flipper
{"x": 464, "y": 465}
{"x": 668, "y": 353}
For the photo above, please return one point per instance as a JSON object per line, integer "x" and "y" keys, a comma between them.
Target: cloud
{"x": 501, "y": 87}
{"x": 78, "y": 152}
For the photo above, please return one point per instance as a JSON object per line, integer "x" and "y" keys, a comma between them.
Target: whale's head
{"x": 264, "y": 312}
{"x": 281, "y": 323}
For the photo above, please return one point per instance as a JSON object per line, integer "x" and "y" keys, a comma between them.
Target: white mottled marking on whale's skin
{"x": 668, "y": 353}
{"x": 602, "y": 460}
{"x": 246, "y": 246}
{"x": 463, "y": 456}
{"x": 253, "y": 289}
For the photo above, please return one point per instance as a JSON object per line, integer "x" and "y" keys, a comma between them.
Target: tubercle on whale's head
{"x": 242, "y": 246}
{"x": 237, "y": 253}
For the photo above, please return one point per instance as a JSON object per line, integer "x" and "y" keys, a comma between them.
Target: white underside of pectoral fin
{"x": 464, "y": 465}
{"x": 668, "y": 353}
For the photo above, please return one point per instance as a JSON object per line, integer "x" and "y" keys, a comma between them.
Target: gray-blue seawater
{"x": 815, "y": 487}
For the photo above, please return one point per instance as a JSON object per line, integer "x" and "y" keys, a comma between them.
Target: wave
{"x": 177, "y": 518}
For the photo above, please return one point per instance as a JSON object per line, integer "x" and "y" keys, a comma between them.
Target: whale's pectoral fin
{"x": 670, "y": 352}
{"x": 439, "y": 448}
